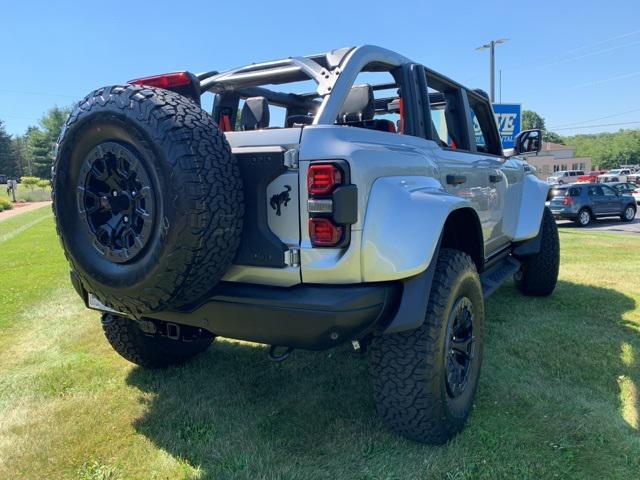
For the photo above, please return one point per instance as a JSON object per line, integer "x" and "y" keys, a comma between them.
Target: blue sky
{"x": 574, "y": 62}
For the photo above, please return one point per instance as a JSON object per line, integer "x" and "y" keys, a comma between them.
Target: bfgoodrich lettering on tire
{"x": 425, "y": 379}
{"x": 147, "y": 198}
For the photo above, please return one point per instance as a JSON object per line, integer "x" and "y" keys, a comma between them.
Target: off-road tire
{"x": 196, "y": 221}
{"x": 629, "y": 218}
{"x": 580, "y": 218}
{"x": 153, "y": 350}
{"x": 408, "y": 368}
{"x": 538, "y": 274}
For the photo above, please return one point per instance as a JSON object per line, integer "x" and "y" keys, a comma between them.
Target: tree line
{"x": 31, "y": 154}
{"x": 607, "y": 149}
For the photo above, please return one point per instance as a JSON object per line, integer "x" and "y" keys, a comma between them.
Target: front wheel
{"x": 425, "y": 379}
{"x": 154, "y": 344}
{"x": 629, "y": 214}
{"x": 538, "y": 275}
{"x": 584, "y": 217}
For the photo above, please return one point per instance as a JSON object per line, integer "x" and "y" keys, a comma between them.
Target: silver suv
{"x": 337, "y": 198}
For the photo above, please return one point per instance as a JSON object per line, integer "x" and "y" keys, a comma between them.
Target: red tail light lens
{"x": 166, "y": 81}
{"x": 567, "y": 201}
{"x": 322, "y": 178}
{"x": 324, "y": 233}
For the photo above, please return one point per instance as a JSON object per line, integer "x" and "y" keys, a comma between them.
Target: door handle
{"x": 456, "y": 179}
{"x": 495, "y": 178}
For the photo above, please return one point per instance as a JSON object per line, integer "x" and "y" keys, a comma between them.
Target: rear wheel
{"x": 154, "y": 344}
{"x": 629, "y": 213}
{"x": 538, "y": 274}
{"x": 425, "y": 379}
{"x": 584, "y": 217}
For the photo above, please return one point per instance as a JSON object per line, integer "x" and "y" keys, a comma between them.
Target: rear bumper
{"x": 313, "y": 317}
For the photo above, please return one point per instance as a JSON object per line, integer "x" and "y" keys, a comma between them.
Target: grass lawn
{"x": 26, "y": 194}
{"x": 558, "y": 394}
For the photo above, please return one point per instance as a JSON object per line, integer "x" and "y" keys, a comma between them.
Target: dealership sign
{"x": 509, "y": 120}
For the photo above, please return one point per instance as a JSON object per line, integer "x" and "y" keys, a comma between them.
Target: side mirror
{"x": 528, "y": 141}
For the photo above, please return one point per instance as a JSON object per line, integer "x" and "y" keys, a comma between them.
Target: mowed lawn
{"x": 558, "y": 394}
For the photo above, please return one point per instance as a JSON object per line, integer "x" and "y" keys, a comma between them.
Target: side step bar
{"x": 495, "y": 275}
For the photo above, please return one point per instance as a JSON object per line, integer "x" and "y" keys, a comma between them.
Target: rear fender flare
{"x": 404, "y": 219}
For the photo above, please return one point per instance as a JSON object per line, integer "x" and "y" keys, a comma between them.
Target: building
{"x": 554, "y": 157}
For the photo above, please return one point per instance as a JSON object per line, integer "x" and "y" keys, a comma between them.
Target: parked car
{"x": 634, "y": 177}
{"x": 565, "y": 176}
{"x": 338, "y": 226}
{"x": 625, "y": 188}
{"x": 582, "y": 202}
{"x": 636, "y": 194}
{"x": 615, "y": 175}
{"x": 591, "y": 177}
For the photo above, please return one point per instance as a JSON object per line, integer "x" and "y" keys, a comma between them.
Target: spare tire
{"x": 147, "y": 198}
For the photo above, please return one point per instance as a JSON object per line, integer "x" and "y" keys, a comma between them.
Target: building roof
{"x": 555, "y": 146}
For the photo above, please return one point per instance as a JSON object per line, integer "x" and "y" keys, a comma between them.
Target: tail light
{"x": 567, "y": 201}
{"x": 324, "y": 233}
{"x": 332, "y": 203}
{"x": 184, "y": 83}
{"x": 323, "y": 178}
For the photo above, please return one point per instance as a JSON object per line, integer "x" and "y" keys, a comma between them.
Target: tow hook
{"x": 279, "y": 357}
{"x": 173, "y": 331}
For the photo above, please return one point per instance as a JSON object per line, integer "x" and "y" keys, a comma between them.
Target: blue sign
{"x": 509, "y": 121}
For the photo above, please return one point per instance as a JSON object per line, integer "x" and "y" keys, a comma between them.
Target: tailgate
{"x": 270, "y": 245}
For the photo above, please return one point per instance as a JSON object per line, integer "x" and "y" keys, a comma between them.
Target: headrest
{"x": 255, "y": 113}
{"x": 359, "y": 105}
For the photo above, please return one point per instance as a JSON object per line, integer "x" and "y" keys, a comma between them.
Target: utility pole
{"x": 491, "y": 46}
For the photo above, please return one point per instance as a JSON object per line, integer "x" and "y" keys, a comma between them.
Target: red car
{"x": 591, "y": 177}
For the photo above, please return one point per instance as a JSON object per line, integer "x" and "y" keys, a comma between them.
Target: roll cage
{"x": 334, "y": 73}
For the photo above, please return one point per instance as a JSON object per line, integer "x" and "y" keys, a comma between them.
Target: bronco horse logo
{"x": 280, "y": 199}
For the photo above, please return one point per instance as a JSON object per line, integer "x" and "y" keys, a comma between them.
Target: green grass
{"x": 558, "y": 394}
{"x": 26, "y": 194}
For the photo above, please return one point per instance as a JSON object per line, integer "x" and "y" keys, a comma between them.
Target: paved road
{"x": 22, "y": 208}
{"x": 612, "y": 225}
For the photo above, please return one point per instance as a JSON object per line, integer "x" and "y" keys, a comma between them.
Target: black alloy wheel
{"x": 116, "y": 201}
{"x": 459, "y": 347}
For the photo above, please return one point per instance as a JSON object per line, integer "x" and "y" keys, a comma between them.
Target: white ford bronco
{"x": 341, "y": 197}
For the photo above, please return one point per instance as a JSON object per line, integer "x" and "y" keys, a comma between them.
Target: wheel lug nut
{"x": 126, "y": 219}
{"x": 114, "y": 193}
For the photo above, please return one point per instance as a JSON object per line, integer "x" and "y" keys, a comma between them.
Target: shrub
{"x": 30, "y": 182}
{"x": 5, "y": 204}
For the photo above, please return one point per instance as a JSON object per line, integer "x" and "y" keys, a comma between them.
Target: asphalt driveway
{"x": 612, "y": 225}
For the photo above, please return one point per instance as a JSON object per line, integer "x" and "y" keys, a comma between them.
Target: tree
{"x": 19, "y": 149}
{"x": 609, "y": 149}
{"x": 531, "y": 119}
{"x": 41, "y": 140}
{"x": 7, "y": 161}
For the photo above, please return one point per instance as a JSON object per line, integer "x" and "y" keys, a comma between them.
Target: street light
{"x": 492, "y": 46}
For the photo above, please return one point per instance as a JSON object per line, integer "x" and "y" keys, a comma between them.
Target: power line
{"x": 595, "y": 119}
{"x": 600, "y": 125}
{"x": 606, "y": 40}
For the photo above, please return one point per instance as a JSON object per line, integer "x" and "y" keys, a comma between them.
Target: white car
{"x": 616, "y": 175}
